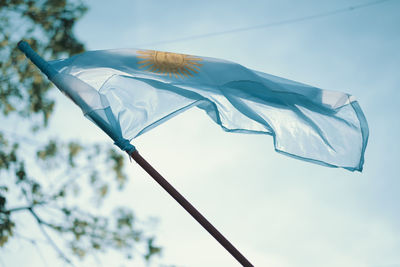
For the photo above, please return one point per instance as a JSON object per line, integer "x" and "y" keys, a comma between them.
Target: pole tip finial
{"x": 21, "y": 44}
{"x": 45, "y": 67}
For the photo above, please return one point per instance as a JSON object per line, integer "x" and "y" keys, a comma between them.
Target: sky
{"x": 278, "y": 211}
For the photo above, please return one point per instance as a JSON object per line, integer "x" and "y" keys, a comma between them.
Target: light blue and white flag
{"x": 139, "y": 89}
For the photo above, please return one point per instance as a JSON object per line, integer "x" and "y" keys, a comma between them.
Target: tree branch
{"x": 22, "y": 208}
{"x": 52, "y": 243}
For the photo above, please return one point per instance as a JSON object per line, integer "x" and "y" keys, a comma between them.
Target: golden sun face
{"x": 172, "y": 64}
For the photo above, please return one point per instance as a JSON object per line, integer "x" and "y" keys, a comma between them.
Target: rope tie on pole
{"x": 125, "y": 145}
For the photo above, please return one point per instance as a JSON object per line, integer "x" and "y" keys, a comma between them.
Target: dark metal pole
{"x": 51, "y": 72}
{"x": 189, "y": 208}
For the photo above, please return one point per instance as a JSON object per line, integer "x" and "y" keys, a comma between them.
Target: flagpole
{"x": 189, "y": 208}
{"x": 50, "y": 72}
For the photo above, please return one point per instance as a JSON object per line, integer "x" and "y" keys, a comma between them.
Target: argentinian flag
{"x": 136, "y": 90}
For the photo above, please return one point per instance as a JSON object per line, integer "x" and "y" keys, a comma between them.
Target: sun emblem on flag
{"x": 172, "y": 64}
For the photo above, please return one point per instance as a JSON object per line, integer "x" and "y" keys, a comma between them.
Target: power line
{"x": 268, "y": 25}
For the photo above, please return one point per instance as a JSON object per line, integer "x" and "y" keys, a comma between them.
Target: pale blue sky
{"x": 278, "y": 211}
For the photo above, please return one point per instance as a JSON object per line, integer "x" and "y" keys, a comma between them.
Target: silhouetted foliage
{"x": 45, "y": 178}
